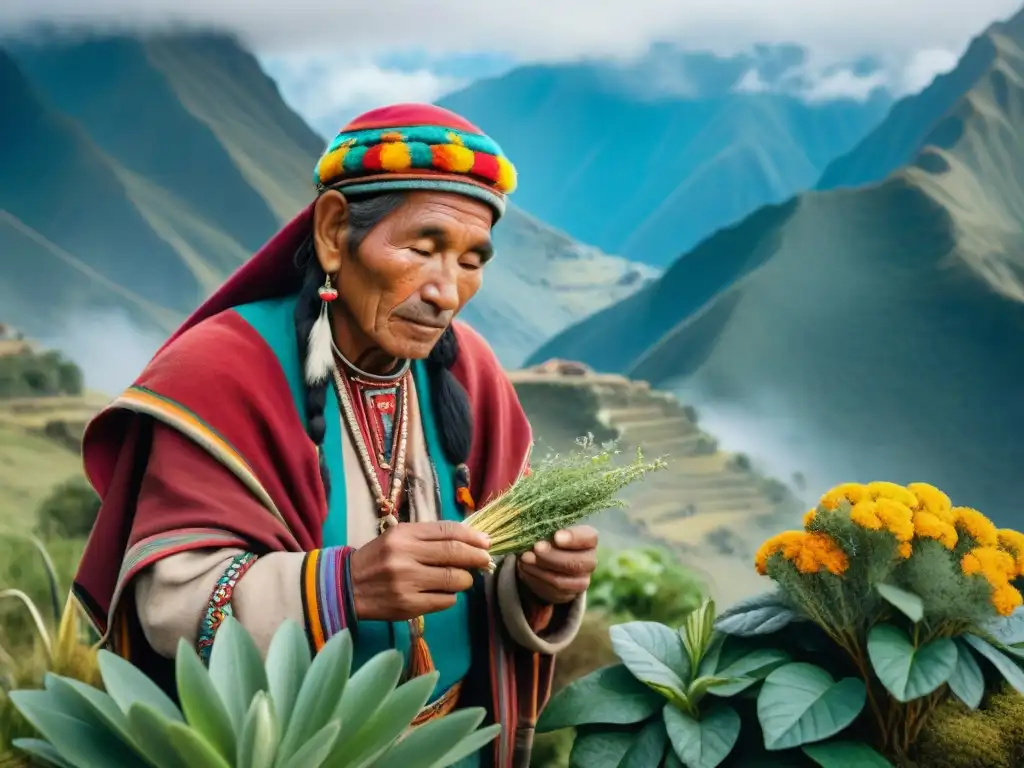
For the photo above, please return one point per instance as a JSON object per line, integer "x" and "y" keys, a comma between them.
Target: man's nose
{"x": 442, "y": 290}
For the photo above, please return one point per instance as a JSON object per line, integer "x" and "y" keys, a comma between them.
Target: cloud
{"x": 845, "y": 84}
{"x": 924, "y": 66}
{"x": 545, "y": 30}
{"x": 330, "y": 90}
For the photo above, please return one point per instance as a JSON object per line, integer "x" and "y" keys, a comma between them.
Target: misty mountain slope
{"x": 152, "y": 167}
{"x": 646, "y": 175}
{"x": 60, "y": 194}
{"x": 130, "y": 110}
{"x": 884, "y": 326}
{"x": 223, "y": 85}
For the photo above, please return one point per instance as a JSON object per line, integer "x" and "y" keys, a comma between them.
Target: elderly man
{"x": 305, "y": 446}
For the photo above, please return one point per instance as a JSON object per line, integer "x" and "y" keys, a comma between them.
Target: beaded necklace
{"x": 379, "y": 429}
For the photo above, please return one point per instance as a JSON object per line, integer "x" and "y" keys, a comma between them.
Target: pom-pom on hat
{"x": 416, "y": 147}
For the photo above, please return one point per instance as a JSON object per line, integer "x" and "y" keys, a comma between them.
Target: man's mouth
{"x": 435, "y": 325}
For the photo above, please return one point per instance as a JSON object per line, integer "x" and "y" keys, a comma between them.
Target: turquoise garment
{"x": 446, "y": 632}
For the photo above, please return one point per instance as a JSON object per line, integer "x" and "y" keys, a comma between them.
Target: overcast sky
{"x": 337, "y": 56}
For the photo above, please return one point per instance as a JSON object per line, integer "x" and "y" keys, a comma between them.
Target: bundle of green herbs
{"x": 559, "y": 492}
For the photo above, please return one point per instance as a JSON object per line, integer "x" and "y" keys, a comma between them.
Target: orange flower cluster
{"x": 976, "y": 525}
{"x": 809, "y": 553}
{"x": 915, "y": 512}
{"x": 851, "y": 492}
{"x": 888, "y": 514}
{"x": 910, "y": 513}
{"x": 998, "y": 568}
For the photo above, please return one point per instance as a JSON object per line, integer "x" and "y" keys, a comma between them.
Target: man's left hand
{"x": 558, "y": 571}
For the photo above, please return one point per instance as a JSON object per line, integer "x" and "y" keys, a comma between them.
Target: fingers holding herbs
{"x": 558, "y": 571}
{"x": 416, "y": 568}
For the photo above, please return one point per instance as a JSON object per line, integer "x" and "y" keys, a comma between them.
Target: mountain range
{"x": 878, "y": 321}
{"x": 646, "y": 159}
{"x": 137, "y": 173}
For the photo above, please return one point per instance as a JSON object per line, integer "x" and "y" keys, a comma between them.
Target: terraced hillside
{"x": 710, "y": 507}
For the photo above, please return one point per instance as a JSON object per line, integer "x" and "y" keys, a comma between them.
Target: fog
{"x": 107, "y": 346}
{"x": 770, "y": 428}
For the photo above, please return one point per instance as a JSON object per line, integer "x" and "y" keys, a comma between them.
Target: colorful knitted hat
{"x": 416, "y": 146}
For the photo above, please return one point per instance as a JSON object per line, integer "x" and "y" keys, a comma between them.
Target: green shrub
{"x": 30, "y": 374}
{"x": 644, "y": 584}
{"x": 69, "y": 511}
{"x": 989, "y": 737}
{"x": 294, "y": 711}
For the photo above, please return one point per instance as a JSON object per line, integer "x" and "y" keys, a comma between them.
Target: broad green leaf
{"x": 1013, "y": 651}
{"x": 367, "y": 691}
{"x": 42, "y": 750}
{"x": 801, "y": 703}
{"x": 609, "y": 695}
{"x": 386, "y": 724}
{"x": 648, "y": 748}
{"x": 127, "y": 685}
{"x": 324, "y": 686}
{"x": 967, "y": 683}
{"x": 151, "y": 731}
{"x": 89, "y": 705}
{"x": 236, "y": 670}
{"x": 907, "y": 672}
{"x": 257, "y": 745}
{"x": 703, "y": 743}
{"x": 909, "y": 604}
{"x": 193, "y": 748}
{"x": 845, "y": 754}
{"x": 762, "y": 614}
{"x": 654, "y": 654}
{"x": 1006, "y": 666}
{"x": 475, "y": 742}
{"x": 432, "y": 741}
{"x": 600, "y": 749}
{"x": 1007, "y": 630}
{"x": 672, "y": 760}
{"x": 203, "y": 707}
{"x": 313, "y": 753}
{"x": 86, "y": 743}
{"x": 748, "y": 670}
{"x": 288, "y": 660}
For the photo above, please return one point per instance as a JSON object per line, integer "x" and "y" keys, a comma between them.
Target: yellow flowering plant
{"x": 894, "y": 596}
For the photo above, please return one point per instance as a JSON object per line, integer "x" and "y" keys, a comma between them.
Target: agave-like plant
{"x": 294, "y": 711}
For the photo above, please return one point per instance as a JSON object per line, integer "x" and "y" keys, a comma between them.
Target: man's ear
{"x": 330, "y": 230}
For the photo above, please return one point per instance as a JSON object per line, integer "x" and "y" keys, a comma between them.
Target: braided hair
{"x": 449, "y": 399}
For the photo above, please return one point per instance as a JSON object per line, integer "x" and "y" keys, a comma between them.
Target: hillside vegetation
{"x": 888, "y": 318}
{"x": 43, "y": 411}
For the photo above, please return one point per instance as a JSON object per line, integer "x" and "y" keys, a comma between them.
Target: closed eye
{"x": 421, "y": 252}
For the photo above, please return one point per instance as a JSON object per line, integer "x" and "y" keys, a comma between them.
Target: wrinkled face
{"x": 411, "y": 275}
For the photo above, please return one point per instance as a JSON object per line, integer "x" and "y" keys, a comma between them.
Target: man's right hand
{"x": 414, "y": 569}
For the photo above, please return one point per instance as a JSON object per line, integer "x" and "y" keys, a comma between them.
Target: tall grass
{"x": 41, "y": 629}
